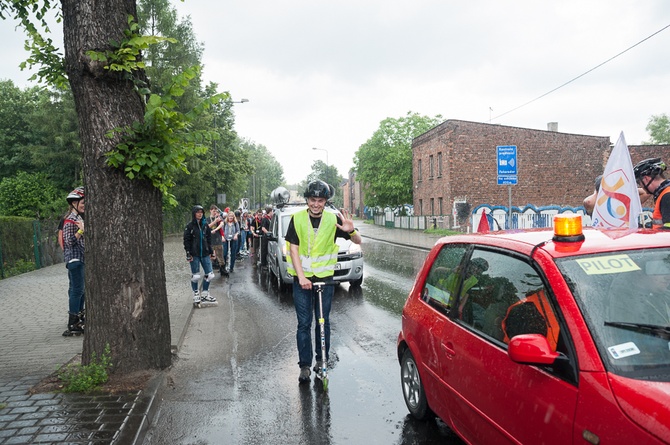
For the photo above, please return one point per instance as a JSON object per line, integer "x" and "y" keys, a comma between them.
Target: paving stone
{"x": 32, "y": 347}
{"x": 19, "y": 440}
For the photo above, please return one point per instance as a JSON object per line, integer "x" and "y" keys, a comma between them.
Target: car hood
{"x": 646, "y": 403}
{"x": 343, "y": 244}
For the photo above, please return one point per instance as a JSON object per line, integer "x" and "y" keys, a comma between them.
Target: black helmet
{"x": 75, "y": 195}
{"x": 649, "y": 167}
{"x": 318, "y": 189}
{"x": 479, "y": 263}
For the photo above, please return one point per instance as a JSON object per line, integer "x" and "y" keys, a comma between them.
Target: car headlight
{"x": 355, "y": 250}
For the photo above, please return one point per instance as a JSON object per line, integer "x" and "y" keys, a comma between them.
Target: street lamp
{"x": 327, "y": 163}
{"x": 241, "y": 101}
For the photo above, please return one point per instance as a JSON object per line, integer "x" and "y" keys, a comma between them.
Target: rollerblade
{"x": 196, "y": 298}
{"x": 75, "y": 326}
{"x": 207, "y": 298}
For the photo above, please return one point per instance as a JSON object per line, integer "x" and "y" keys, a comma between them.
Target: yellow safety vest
{"x": 318, "y": 251}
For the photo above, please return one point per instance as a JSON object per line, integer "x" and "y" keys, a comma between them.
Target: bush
{"x": 31, "y": 195}
{"x": 19, "y": 267}
{"x": 86, "y": 378}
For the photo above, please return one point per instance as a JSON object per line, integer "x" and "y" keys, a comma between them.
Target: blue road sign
{"x": 507, "y": 165}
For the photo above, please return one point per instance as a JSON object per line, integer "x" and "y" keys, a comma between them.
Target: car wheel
{"x": 356, "y": 283}
{"x": 412, "y": 388}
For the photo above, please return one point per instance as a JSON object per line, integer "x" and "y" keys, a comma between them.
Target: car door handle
{"x": 448, "y": 349}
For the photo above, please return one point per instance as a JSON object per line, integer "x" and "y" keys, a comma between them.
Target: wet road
{"x": 235, "y": 380}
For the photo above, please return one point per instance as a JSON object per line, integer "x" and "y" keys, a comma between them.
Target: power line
{"x": 583, "y": 74}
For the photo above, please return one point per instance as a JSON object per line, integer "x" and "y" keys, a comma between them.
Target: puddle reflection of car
{"x": 554, "y": 338}
{"x": 349, "y": 267}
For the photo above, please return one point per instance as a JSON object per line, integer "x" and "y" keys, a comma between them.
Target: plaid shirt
{"x": 73, "y": 247}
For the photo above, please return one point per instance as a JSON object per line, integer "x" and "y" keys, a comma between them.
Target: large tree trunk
{"x": 126, "y": 298}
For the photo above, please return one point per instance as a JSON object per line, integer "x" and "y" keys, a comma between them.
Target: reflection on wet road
{"x": 235, "y": 381}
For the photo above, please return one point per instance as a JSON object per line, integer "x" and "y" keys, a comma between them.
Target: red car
{"x": 541, "y": 337}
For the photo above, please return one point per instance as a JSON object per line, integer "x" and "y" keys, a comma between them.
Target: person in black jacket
{"x": 198, "y": 246}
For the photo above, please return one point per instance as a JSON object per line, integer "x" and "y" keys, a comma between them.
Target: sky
{"x": 325, "y": 74}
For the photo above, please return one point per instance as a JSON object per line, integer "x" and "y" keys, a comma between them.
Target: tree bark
{"x": 126, "y": 297}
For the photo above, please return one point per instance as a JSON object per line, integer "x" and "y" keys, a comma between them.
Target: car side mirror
{"x": 532, "y": 349}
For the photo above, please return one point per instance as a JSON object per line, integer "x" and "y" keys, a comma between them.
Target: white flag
{"x": 618, "y": 202}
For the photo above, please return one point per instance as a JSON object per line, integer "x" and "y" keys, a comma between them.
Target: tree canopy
{"x": 659, "y": 129}
{"x": 384, "y": 163}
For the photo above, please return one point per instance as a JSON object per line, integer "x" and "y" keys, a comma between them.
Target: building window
{"x": 431, "y": 171}
{"x": 439, "y": 206}
{"x": 420, "y": 206}
{"x": 418, "y": 171}
{"x": 439, "y": 166}
{"x": 432, "y": 206}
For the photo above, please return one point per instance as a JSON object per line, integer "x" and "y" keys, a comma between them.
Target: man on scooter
{"x": 310, "y": 240}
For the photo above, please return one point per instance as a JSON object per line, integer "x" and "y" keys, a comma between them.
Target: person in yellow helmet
{"x": 310, "y": 240}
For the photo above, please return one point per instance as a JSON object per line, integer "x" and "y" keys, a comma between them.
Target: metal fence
{"x": 28, "y": 245}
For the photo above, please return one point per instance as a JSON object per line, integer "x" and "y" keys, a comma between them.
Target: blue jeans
{"x": 306, "y": 303}
{"x": 75, "y": 274}
{"x": 195, "y": 268}
{"x": 233, "y": 253}
{"x": 243, "y": 240}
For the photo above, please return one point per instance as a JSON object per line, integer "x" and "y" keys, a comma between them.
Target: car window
{"x": 443, "y": 278}
{"x": 625, "y": 300}
{"x": 285, "y": 220}
{"x": 273, "y": 225}
{"x": 506, "y": 298}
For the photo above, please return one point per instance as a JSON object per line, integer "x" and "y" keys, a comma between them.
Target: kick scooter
{"x": 323, "y": 372}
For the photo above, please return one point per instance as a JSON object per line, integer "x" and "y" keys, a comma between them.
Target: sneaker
{"x": 196, "y": 296}
{"x": 207, "y": 297}
{"x": 317, "y": 367}
{"x": 304, "y": 374}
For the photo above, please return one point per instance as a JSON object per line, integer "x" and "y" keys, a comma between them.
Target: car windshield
{"x": 625, "y": 299}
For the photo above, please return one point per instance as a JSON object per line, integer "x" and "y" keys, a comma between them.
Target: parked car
{"x": 349, "y": 267}
{"x": 541, "y": 337}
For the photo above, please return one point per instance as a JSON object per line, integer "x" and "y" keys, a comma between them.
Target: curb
{"x": 141, "y": 415}
{"x": 147, "y": 402}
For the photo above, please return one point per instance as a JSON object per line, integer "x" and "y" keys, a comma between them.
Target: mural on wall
{"x": 530, "y": 216}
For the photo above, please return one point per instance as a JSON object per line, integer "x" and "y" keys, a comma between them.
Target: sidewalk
{"x": 33, "y": 314}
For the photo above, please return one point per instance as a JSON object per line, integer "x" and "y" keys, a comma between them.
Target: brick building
{"x": 455, "y": 167}
{"x": 353, "y": 195}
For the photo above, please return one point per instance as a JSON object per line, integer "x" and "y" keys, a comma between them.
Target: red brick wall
{"x": 553, "y": 168}
{"x": 641, "y": 152}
